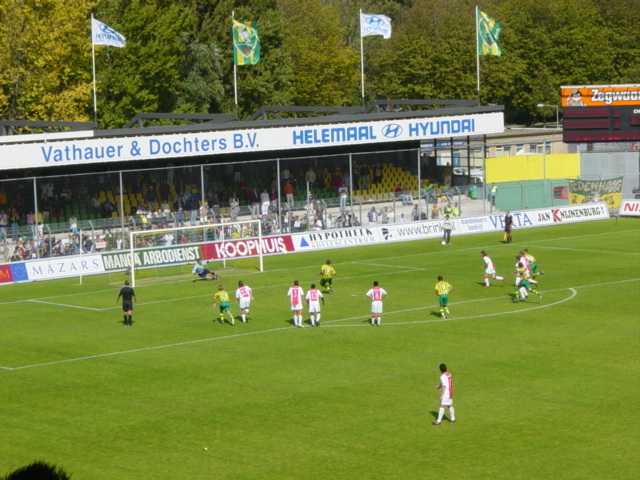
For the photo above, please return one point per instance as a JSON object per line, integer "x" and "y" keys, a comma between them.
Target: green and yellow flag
{"x": 246, "y": 44}
{"x": 488, "y": 35}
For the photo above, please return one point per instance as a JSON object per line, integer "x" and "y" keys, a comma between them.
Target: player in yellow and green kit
{"x": 221, "y": 298}
{"x": 523, "y": 287}
{"x": 327, "y": 272}
{"x": 532, "y": 263}
{"x": 442, "y": 290}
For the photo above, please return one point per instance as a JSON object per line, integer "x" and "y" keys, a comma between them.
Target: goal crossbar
{"x": 179, "y": 246}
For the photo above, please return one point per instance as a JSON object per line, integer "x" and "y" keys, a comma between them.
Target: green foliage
{"x": 326, "y": 69}
{"x": 178, "y": 56}
{"x": 45, "y": 63}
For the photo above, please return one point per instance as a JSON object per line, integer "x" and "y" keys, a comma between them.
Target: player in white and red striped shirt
{"x": 296, "y": 294}
{"x": 244, "y": 294}
{"x": 313, "y": 304}
{"x": 376, "y": 294}
{"x": 446, "y": 395}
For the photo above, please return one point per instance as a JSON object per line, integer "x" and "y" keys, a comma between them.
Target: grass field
{"x": 544, "y": 389}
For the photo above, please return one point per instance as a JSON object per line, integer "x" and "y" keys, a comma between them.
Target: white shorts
{"x": 490, "y": 271}
{"x": 446, "y": 401}
{"x": 295, "y": 307}
{"x": 376, "y": 307}
{"x": 244, "y": 302}
{"x": 314, "y": 307}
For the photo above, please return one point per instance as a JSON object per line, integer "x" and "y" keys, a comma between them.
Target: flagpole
{"x": 361, "y": 62}
{"x": 478, "y": 54}
{"x": 235, "y": 68}
{"x": 93, "y": 69}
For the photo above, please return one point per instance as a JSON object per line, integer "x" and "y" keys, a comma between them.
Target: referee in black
{"x": 508, "y": 225}
{"x": 128, "y": 299}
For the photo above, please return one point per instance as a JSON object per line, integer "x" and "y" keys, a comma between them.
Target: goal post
{"x": 172, "y": 252}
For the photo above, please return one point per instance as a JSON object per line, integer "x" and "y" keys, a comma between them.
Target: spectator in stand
{"x": 346, "y": 178}
{"x": 384, "y": 215}
{"x": 4, "y": 221}
{"x": 343, "y": 191}
{"x": 96, "y": 204}
{"x": 108, "y": 209}
{"x": 73, "y": 224}
{"x": 310, "y": 177}
{"x": 456, "y": 210}
{"x": 372, "y": 216}
{"x": 285, "y": 174}
{"x": 243, "y": 186}
{"x": 415, "y": 213}
{"x": 336, "y": 180}
{"x": 204, "y": 214}
{"x": 364, "y": 173}
{"x": 356, "y": 177}
{"x": 215, "y": 205}
{"x": 31, "y": 223}
{"x": 377, "y": 174}
{"x": 447, "y": 174}
{"x": 254, "y": 201}
{"x": 448, "y": 209}
{"x": 265, "y": 200}
{"x": 435, "y": 210}
{"x": 406, "y": 197}
{"x": 288, "y": 191}
{"x": 3, "y": 199}
{"x": 234, "y": 207}
{"x": 14, "y": 218}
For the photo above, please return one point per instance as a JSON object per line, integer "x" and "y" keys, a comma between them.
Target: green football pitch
{"x": 544, "y": 389}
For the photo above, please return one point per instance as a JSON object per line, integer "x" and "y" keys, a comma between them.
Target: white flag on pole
{"x": 375, "y": 25}
{"x": 101, "y": 34}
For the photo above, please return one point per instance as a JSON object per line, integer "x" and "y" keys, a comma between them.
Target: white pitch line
{"x": 145, "y": 349}
{"x": 213, "y": 339}
{"x": 364, "y": 262}
{"x": 65, "y": 305}
{"x": 588, "y": 251}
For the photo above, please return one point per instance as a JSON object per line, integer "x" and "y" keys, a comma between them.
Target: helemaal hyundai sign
{"x": 117, "y": 149}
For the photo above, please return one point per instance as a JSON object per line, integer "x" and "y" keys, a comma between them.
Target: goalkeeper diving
{"x": 202, "y": 272}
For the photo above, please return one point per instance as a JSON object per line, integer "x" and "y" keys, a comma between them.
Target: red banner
{"x": 247, "y": 247}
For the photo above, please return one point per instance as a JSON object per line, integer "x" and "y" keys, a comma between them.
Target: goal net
{"x": 173, "y": 252}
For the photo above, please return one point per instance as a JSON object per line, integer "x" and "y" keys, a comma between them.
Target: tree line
{"x": 179, "y": 57}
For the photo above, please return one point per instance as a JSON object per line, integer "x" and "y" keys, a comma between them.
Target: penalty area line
{"x": 434, "y": 320}
{"x": 65, "y": 305}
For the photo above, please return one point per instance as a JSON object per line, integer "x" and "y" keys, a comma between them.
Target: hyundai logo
{"x": 393, "y": 130}
{"x": 375, "y": 21}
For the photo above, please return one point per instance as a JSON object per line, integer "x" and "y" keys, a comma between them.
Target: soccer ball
{"x": 443, "y": 242}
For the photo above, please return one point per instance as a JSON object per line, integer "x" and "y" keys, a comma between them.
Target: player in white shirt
{"x": 244, "y": 294}
{"x": 313, "y": 304}
{"x": 296, "y": 295}
{"x": 489, "y": 269}
{"x": 376, "y": 294}
{"x": 446, "y": 395}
